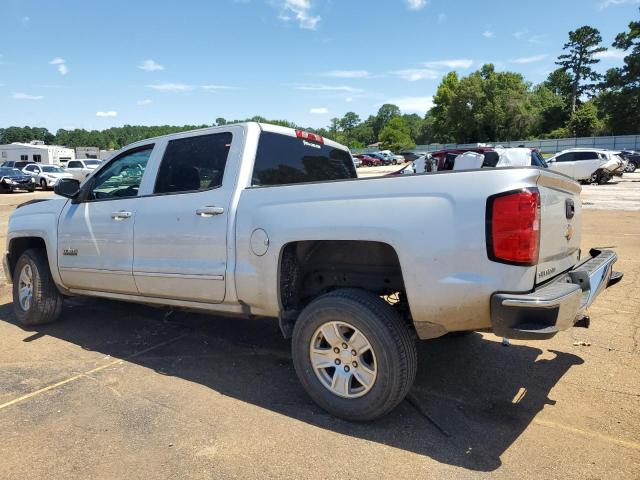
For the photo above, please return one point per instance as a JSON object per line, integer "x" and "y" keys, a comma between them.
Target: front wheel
{"x": 631, "y": 167}
{"x": 353, "y": 354}
{"x": 43, "y": 184}
{"x": 36, "y": 299}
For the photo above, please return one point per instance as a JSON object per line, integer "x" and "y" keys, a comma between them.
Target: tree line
{"x": 484, "y": 106}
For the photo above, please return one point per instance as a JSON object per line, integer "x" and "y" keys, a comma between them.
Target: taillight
{"x": 312, "y": 137}
{"x": 513, "y": 227}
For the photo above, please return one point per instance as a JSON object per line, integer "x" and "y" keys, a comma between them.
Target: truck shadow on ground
{"x": 471, "y": 400}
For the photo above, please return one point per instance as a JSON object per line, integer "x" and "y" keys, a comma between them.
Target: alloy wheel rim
{"x": 343, "y": 359}
{"x": 25, "y": 287}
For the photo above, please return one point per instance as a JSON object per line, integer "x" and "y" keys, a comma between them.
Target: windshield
{"x": 52, "y": 169}
{"x": 92, "y": 163}
{"x": 10, "y": 171}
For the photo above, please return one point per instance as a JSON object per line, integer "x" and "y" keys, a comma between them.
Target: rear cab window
{"x": 285, "y": 160}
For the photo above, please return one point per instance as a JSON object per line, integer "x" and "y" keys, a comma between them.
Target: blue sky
{"x": 90, "y": 64}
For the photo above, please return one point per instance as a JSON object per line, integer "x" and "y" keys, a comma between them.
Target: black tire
{"x": 631, "y": 167}
{"x": 394, "y": 162}
{"x": 43, "y": 184}
{"x": 603, "y": 178}
{"x": 46, "y": 300}
{"x": 390, "y": 339}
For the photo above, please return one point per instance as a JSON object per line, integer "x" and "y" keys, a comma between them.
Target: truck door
{"x": 95, "y": 235}
{"x": 180, "y": 240}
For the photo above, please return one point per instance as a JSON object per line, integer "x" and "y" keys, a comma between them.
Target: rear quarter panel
{"x": 435, "y": 223}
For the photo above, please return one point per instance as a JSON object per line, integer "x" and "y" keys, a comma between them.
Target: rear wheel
{"x": 43, "y": 184}
{"x": 36, "y": 299}
{"x": 353, "y": 354}
{"x": 631, "y": 167}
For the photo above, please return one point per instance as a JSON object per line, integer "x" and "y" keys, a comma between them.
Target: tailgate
{"x": 560, "y": 225}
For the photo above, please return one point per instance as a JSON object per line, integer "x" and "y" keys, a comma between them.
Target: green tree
{"x": 620, "y": 97}
{"x": 385, "y": 113}
{"x": 582, "y": 48}
{"x": 348, "y": 122}
{"x": 395, "y": 135}
{"x": 584, "y": 122}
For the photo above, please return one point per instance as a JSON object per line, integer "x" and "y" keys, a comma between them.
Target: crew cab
{"x": 258, "y": 220}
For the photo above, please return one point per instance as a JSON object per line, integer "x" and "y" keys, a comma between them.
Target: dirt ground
{"x": 124, "y": 391}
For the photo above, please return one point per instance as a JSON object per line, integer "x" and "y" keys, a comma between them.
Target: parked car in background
{"x": 356, "y": 161}
{"x": 12, "y": 164}
{"x": 46, "y": 176}
{"x": 587, "y": 165}
{"x": 395, "y": 159}
{"x": 369, "y": 161}
{"x": 633, "y": 160}
{"x": 80, "y": 169}
{"x": 13, "y": 179}
{"x": 384, "y": 159}
{"x": 410, "y": 156}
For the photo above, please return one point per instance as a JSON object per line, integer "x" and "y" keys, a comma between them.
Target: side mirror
{"x": 67, "y": 187}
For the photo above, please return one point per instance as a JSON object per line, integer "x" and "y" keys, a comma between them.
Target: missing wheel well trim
{"x": 310, "y": 268}
{"x": 18, "y": 246}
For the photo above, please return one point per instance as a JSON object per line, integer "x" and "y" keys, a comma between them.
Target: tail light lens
{"x": 513, "y": 227}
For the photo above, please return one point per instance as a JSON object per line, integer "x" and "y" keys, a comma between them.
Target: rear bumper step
{"x": 557, "y": 305}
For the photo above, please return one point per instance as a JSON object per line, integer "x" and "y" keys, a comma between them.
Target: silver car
{"x": 46, "y": 176}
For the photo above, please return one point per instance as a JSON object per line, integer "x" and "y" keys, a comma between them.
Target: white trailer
{"x": 36, "y": 153}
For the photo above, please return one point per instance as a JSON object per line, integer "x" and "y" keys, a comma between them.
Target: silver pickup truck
{"x": 256, "y": 220}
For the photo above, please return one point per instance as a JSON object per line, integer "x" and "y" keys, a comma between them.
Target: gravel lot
{"x": 125, "y": 391}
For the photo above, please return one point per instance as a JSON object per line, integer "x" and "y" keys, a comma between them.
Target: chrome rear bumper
{"x": 556, "y": 305}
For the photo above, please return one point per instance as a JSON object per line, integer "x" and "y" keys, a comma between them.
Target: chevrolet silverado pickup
{"x": 257, "y": 220}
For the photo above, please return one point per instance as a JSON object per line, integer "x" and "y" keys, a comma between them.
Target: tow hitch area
{"x": 557, "y": 305}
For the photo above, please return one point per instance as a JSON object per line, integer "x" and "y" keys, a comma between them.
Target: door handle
{"x": 121, "y": 215}
{"x": 209, "y": 211}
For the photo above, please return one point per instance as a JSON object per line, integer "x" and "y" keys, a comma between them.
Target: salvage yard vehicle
{"x": 258, "y": 220}
{"x": 587, "y": 165}
{"x": 633, "y": 160}
{"x": 368, "y": 161}
{"x": 47, "y": 176}
{"x": 12, "y": 179}
{"x": 81, "y": 169}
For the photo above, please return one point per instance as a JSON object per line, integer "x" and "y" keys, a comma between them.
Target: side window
{"x": 37, "y": 158}
{"x": 193, "y": 163}
{"x": 29, "y": 168}
{"x": 586, "y": 155}
{"x": 122, "y": 177}
{"x": 566, "y": 157}
{"x": 24, "y": 158}
{"x": 74, "y": 164}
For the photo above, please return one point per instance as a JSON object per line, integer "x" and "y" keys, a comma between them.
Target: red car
{"x": 368, "y": 161}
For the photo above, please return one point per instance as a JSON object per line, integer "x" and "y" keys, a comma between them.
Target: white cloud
{"x": 612, "y": 53}
{"x": 319, "y": 110}
{"x": 613, "y": 3}
{"x": 488, "y": 34}
{"x": 452, "y": 64}
{"x": 328, "y": 88}
{"x": 170, "y": 87}
{"x": 301, "y": 11}
{"x": 525, "y": 34}
{"x": 24, "y": 96}
{"x": 416, "y": 4}
{"x": 413, "y": 104}
{"x": 414, "y": 74}
{"x": 150, "y": 66}
{"x": 347, "y": 74}
{"x": 531, "y": 59}
{"x": 144, "y": 102}
{"x": 26, "y": 20}
{"x": 348, "y": 99}
{"x": 110, "y": 113}
{"x": 442, "y": 18}
{"x": 61, "y": 65}
{"x": 211, "y": 88}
